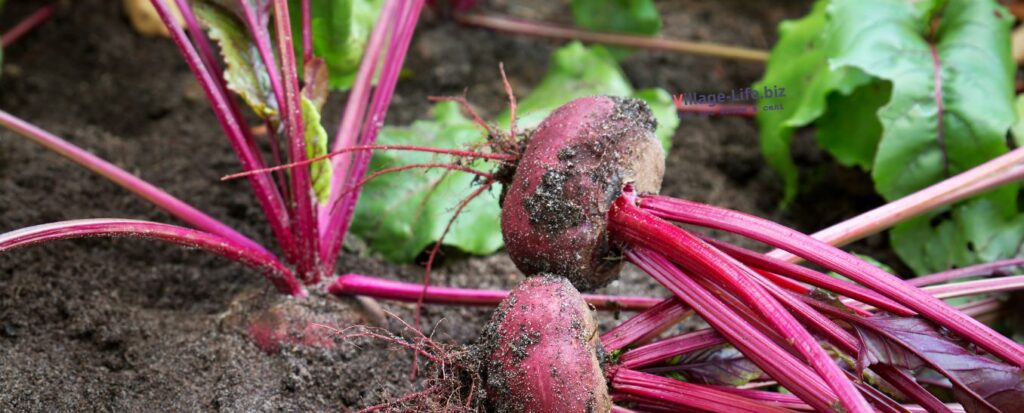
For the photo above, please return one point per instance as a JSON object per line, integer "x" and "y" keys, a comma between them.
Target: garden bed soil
{"x": 129, "y": 325}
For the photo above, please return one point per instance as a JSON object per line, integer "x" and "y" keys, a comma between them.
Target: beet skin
{"x": 575, "y": 164}
{"x": 541, "y": 351}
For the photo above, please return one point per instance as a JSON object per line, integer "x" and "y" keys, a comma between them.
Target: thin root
{"x": 461, "y": 100}
{"x": 384, "y": 171}
{"x": 454, "y": 152}
{"x": 436, "y": 249}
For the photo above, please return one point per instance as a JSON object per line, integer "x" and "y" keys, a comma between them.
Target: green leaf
{"x": 952, "y": 102}
{"x": 620, "y": 16}
{"x": 341, "y": 29}
{"x": 798, "y": 68}
{"x": 576, "y": 71}
{"x": 895, "y": 41}
{"x": 400, "y": 214}
{"x": 245, "y": 73}
{"x": 977, "y": 232}
{"x": 316, "y": 145}
{"x": 850, "y": 128}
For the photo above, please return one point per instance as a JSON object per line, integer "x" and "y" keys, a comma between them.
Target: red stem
{"x": 807, "y": 275}
{"x": 355, "y": 109}
{"x": 261, "y": 37}
{"x": 307, "y": 33}
{"x": 986, "y": 269}
{"x": 263, "y": 187}
{"x": 839, "y": 261}
{"x": 305, "y": 229}
{"x": 687, "y": 396}
{"x": 40, "y": 16}
{"x": 257, "y": 259}
{"x": 660, "y": 351}
{"x": 341, "y": 218}
{"x": 722, "y": 109}
{"x": 754, "y": 344}
{"x": 646, "y": 325}
{"x": 994, "y": 285}
{"x": 126, "y": 180}
{"x": 783, "y": 400}
{"x": 631, "y": 225}
{"x": 209, "y": 58}
{"x": 356, "y": 284}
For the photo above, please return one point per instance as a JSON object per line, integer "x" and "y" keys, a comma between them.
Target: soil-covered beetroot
{"x": 541, "y": 350}
{"x": 575, "y": 164}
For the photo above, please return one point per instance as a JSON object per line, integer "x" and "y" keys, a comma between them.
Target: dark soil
{"x": 126, "y": 325}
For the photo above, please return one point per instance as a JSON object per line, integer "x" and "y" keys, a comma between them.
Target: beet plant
{"x": 308, "y": 209}
{"x": 583, "y": 201}
{"x": 580, "y": 199}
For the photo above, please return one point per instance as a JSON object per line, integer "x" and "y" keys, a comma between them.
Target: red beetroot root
{"x": 541, "y": 351}
{"x": 575, "y": 164}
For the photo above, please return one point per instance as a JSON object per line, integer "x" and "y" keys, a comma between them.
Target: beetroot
{"x": 541, "y": 351}
{"x": 575, "y": 164}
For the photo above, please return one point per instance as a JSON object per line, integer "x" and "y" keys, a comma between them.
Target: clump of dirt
{"x": 131, "y": 325}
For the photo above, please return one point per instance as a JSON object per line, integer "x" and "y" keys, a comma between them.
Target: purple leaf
{"x": 980, "y": 383}
{"x": 720, "y": 365}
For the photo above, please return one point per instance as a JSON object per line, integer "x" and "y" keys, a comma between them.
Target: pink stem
{"x": 839, "y": 261}
{"x": 33, "y": 20}
{"x": 258, "y": 259}
{"x": 341, "y": 218}
{"x": 723, "y": 109}
{"x": 307, "y": 33}
{"x": 686, "y": 396}
{"x": 356, "y": 284}
{"x": 359, "y": 97}
{"x": 261, "y": 37}
{"x": 209, "y": 59}
{"x": 994, "y": 285}
{"x": 986, "y": 269}
{"x": 646, "y": 325}
{"x": 306, "y": 227}
{"x": 263, "y": 187}
{"x": 783, "y": 400}
{"x": 995, "y": 172}
{"x": 981, "y": 307}
{"x": 810, "y": 276}
{"x": 521, "y": 26}
{"x": 635, "y": 227}
{"x": 659, "y": 351}
{"x": 122, "y": 178}
{"x": 754, "y": 344}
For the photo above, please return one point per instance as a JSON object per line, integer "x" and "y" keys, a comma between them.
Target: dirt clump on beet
{"x": 575, "y": 164}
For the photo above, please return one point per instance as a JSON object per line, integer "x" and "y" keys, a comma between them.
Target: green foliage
{"x": 316, "y": 145}
{"x": 892, "y": 40}
{"x": 620, "y": 16}
{"x": 402, "y": 213}
{"x": 245, "y": 73}
{"x": 913, "y": 93}
{"x": 798, "y": 63}
{"x": 341, "y": 29}
{"x": 576, "y": 71}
